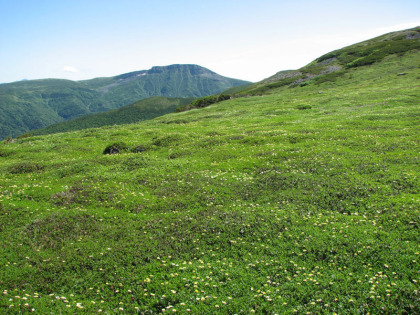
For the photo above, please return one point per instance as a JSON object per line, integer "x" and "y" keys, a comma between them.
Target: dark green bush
{"x": 208, "y": 100}
{"x": 138, "y": 148}
{"x": 283, "y": 82}
{"x": 9, "y": 140}
{"x": 115, "y": 148}
{"x": 371, "y": 52}
{"x": 329, "y": 77}
{"x": 302, "y": 107}
{"x": 376, "y": 52}
{"x": 168, "y": 140}
{"x": 25, "y": 167}
{"x": 4, "y": 154}
{"x": 25, "y": 135}
{"x": 203, "y": 102}
{"x": 330, "y": 55}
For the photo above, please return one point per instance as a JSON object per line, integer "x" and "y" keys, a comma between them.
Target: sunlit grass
{"x": 249, "y": 205}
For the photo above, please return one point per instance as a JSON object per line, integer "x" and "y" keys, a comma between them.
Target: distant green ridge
{"x": 142, "y": 110}
{"x": 34, "y": 104}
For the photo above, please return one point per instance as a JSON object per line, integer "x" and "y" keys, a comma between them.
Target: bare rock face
{"x": 413, "y": 35}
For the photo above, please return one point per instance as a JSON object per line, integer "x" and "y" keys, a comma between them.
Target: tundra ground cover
{"x": 304, "y": 201}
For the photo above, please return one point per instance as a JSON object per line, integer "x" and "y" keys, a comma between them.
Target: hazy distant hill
{"x": 33, "y": 104}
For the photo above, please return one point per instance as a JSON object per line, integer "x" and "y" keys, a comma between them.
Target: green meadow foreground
{"x": 302, "y": 200}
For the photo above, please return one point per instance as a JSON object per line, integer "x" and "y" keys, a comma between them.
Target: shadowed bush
{"x": 25, "y": 167}
{"x": 115, "y": 148}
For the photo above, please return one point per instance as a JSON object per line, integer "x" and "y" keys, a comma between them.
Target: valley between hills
{"x": 298, "y": 194}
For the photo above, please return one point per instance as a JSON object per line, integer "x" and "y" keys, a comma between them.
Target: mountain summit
{"x": 33, "y": 104}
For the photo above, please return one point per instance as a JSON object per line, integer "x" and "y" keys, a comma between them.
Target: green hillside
{"x": 142, "y": 110}
{"x": 34, "y": 104}
{"x": 297, "y": 199}
{"x": 335, "y": 64}
{"x": 28, "y": 105}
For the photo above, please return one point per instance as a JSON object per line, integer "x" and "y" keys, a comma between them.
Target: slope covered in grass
{"x": 335, "y": 64}
{"x": 304, "y": 201}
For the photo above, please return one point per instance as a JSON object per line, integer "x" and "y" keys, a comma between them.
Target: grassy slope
{"x": 142, "y": 110}
{"x": 330, "y": 66}
{"x": 249, "y": 205}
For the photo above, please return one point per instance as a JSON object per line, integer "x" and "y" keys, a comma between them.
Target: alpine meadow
{"x": 298, "y": 194}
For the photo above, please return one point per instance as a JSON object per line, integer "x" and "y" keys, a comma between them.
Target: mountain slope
{"x": 295, "y": 201}
{"x": 330, "y": 66}
{"x": 142, "y": 110}
{"x": 34, "y": 104}
{"x": 28, "y": 105}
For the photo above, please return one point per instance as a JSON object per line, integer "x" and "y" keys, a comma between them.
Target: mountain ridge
{"x": 33, "y": 104}
{"x": 337, "y": 62}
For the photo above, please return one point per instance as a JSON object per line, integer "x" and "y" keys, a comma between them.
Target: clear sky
{"x": 243, "y": 39}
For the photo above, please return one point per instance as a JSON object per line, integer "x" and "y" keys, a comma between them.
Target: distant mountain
{"x": 32, "y": 104}
{"x": 145, "y": 109}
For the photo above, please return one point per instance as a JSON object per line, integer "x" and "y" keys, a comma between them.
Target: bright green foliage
{"x": 248, "y": 205}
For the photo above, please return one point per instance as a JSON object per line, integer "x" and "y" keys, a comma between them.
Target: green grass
{"x": 292, "y": 202}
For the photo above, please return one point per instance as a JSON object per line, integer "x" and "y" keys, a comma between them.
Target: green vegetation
{"x": 142, "y": 110}
{"x": 333, "y": 65}
{"x": 372, "y": 51}
{"x": 34, "y": 104}
{"x": 295, "y": 201}
{"x": 117, "y": 147}
{"x": 203, "y": 102}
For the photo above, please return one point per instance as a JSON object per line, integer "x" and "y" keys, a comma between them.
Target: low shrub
{"x": 165, "y": 141}
{"x": 329, "y": 77}
{"x": 138, "y": 148}
{"x": 25, "y": 135}
{"x": 203, "y": 102}
{"x": 115, "y": 148}
{"x": 25, "y": 167}
{"x": 278, "y": 84}
{"x": 303, "y": 107}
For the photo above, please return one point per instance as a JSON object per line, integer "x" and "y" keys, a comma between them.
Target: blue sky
{"x": 243, "y": 39}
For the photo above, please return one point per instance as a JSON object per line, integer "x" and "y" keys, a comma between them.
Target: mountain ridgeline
{"x": 336, "y": 64}
{"x": 33, "y": 104}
